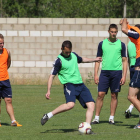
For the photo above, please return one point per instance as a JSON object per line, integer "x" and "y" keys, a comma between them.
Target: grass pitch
{"x": 30, "y": 104}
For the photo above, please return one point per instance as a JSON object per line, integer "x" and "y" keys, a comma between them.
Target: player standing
{"x": 5, "y": 87}
{"x": 113, "y": 53}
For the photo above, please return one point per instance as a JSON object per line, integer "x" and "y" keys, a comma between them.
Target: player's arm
{"x": 87, "y": 60}
{"x": 56, "y": 68}
{"x": 96, "y": 69}
{"x": 90, "y": 60}
{"x": 124, "y": 61}
{"x": 97, "y": 64}
{"x": 124, "y": 27}
{"x": 9, "y": 59}
{"x": 50, "y": 80}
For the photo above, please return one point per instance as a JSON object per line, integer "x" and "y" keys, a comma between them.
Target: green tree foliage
{"x": 69, "y": 8}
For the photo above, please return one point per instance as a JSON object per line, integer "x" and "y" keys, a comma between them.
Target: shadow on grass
{"x": 134, "y": 116}
{"x": 59, "y": 131}
{"x": 6, "y": 124}
{"x": 116, "y": 122}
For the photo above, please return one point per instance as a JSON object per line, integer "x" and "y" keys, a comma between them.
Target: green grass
{"x": 30, "y": 104}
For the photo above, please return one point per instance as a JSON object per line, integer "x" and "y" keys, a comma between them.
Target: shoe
{"x": 127, "y": 114}
{"x": 0, "y": 124}
{"x": 111, "y": 122}
{"x": 137, "y": 126}
{"x": 91, "y": 133}
{"x": 95, "y": 121}
{"x": 15, "y": 123}
{"x": 44, "y": 119}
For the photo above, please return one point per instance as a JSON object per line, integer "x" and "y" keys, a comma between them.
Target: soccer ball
{"x": 84, "y": 128}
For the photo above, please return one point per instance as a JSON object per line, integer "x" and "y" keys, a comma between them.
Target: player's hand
{"x": 48, "y": 95}
{"x": 122, "y": 82}
{"x": 121, "y": 21}
{"x": 98, "y": 59}
{"x": 96, "y": 80}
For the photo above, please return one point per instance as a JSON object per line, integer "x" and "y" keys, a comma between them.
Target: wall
{"x": 34, "y": 43}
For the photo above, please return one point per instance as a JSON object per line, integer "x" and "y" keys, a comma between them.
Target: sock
{"x": 131, "y": 108}
{"x": 111, "y": 118}
{"x": 96, "y": 117}
{"x": 50, "y": 115}
{"x": 13, "y": 121}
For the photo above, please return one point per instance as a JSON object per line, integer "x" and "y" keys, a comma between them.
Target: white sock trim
{"x": 50, "y": 115}
{"x": 97, "y": 117}
{"x": 13, "y": 121}
{"x": 111, "y": 118}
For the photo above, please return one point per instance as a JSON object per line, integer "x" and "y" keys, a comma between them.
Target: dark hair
{"x": 137, "y": 25}
{"x": 67, "y": 44}
{"x": 113, "y": 26}
{"x": 1, "y": 36}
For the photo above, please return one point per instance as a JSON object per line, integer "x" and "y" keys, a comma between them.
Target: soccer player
{"x": 5, "y": 87}
{"x": 133, "y": 32}
{"x": 66, "y": 66}
{"x": 113, "y": 53}
{"x": 132, "y": 60}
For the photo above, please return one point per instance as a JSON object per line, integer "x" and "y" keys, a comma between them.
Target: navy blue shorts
{"x": 135, "y": 81}
{"x": 132, "y": 71}
{"x": 110, "y": 79}
{"x": 79, "y": 92}
{"x": 5, "y": 89}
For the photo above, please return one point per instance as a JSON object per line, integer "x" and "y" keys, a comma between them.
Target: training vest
{"x": 135, "y": 41}
{"x": 131, "y": 53}
{"x": 112, "y": 59}
{"x": 69, "y": 72}
{"x": 3, "y": 65}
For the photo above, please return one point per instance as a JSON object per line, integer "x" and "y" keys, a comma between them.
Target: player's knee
{"x": 114, "y": 96}
{"x": 129, "y": 97}
{"x": 8, "y": 100}
{"x": 70, "y": 105}
{"x": 90, "y": 106}
{"x": 100, "y": 96}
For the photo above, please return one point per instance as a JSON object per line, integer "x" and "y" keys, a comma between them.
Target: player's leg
{"x": 59, "y": 109}
{"x": 113, "y": 106}
{"x": 69, "y": 91}
{"x": 63, "y": 108}
{"x": 85, "y": 98}
{"x": 89, "y": 112}
{"x": 10, "y": 111}
{"x": 99, "y": 104}
{"x": 9, "y": 108}
{"x": 134, "y": 89}
{"x": 102, "y": 91}
{"x": 132, "y": 97}
{"x": 130, "y": 108}
{"x": 7, "y": 94}
{"x": 115, "y": 78}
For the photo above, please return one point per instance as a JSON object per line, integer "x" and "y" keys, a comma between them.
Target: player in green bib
{"x": 114, "y": 59}
{"x": 66, "y": 66}
{"x": 132, "y": 60}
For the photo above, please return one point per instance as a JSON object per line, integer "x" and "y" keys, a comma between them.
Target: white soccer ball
{"x": 84, "y": 128}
